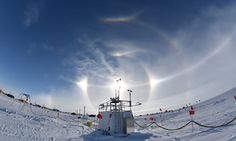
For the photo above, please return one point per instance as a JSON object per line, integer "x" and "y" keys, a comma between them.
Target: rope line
{"x": 185, "y": 125}
{"x": 217, "y": 126}
{"x": 142, "y": 125}
{"x": 172, "y": 129}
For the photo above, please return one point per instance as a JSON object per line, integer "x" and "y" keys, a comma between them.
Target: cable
{"x": 142, "y": 125}
{"x": 172, "y": 129}
{"x": 217, "y": 126}
{"x": 192, "y": 121}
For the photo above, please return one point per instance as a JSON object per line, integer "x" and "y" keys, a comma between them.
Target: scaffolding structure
{"x": 117, "y": 118}
{"x": 115, "y": 115}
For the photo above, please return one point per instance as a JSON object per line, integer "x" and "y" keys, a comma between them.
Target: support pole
{"x": 130, "y": 102}
{"x": 118, "y": 90}
{"x": 192, "y": 122}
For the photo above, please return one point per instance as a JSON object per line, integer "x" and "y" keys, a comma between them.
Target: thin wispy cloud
{"x": 113, "y": 20}
{"x": 31, "y": 14}
{"x": 120, "y": 19}
{"x": 184, "y": 73}
{"x": 180, "y": 54}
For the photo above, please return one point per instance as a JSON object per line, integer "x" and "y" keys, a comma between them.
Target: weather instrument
{"x": 115, "y": 116}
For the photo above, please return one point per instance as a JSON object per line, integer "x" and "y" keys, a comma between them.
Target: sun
{"x": 83, "y": 84}
{"x": 153, "y": 82}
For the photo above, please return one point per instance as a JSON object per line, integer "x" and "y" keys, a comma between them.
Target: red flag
{"x": 99, "y": 116}
{"x": 151, "y": 118}
{"x": 191, "y": 112}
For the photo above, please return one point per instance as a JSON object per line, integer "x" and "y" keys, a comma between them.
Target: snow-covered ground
{"x": 24, "y": 122}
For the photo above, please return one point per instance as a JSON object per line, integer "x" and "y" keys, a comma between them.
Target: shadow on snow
{"x": 136, "y": 136}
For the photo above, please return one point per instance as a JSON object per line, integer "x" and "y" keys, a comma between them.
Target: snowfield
{"x": 23, "y": 122}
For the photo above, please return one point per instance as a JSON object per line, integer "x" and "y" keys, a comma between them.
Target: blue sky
{"x": 64, "y": 52}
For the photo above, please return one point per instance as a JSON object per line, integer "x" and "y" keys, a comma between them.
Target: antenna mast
{"x": 118, "y": 90}
{"x": 130, "y": 103}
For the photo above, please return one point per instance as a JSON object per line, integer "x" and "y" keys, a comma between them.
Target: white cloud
{"x": 31, "y": 14}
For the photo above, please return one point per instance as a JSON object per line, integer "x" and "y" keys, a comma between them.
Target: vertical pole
{"x": 118, "y": 91}
{"x": 84, "y": 110}
{"x": 161, "y": 119}
{"x": 115, "y": 90}
{"x": 192, "y": 122}
{"x": 130, "y": 101}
